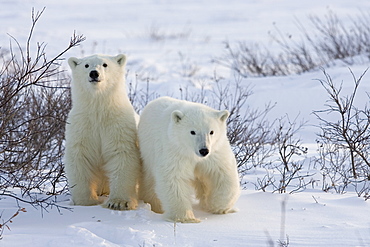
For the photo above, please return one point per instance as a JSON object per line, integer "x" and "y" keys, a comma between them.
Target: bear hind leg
{"x": 148, "y": 195}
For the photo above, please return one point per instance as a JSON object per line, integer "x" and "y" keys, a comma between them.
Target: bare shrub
{"x": 344, "y": 144}
{"x": 289, "y": 167}
{"x": 337, "y": 40}
{"x": 253, "y": 60}
{"x": 334, "y": 166}
{"x": 139, "y": 95}
{"x": 329, "y": 40}
{"x": 34, "y": 102}
{"x": 285, "y": 170}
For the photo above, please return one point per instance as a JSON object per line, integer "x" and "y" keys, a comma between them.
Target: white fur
{"x": 173, "y": 164}
{"x": 101, "y": 155}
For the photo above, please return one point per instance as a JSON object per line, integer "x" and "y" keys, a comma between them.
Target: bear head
{"x": 97, "y": 73}
{"x": 199, "y": 131}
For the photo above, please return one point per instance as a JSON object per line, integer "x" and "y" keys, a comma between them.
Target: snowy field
{"x": 165, "y": 40}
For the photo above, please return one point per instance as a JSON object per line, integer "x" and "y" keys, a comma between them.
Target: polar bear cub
{"x": 101, "y": 155}
{"x": 184, "y": 146}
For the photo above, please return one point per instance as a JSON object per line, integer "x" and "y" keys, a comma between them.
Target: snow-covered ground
{"x": 334, "y": 220}
{"x": 165, "y": 40}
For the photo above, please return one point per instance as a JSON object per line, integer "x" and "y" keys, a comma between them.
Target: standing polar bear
{"x": 101, "y": 155}
{"x": 183, "y": 146}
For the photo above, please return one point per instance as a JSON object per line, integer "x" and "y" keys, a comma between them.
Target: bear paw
{"x": 120, "y": 204}
{"x": 184, "y": 220}
{"x": 189, "y": 220}
{"x": 188, "y": 217}
{"x": 223, "y": 211}
{"x": 87, "y": 201}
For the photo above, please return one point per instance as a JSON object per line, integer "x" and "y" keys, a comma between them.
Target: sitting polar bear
{"x": 184, "y": 145}
{"x": 101, "y": 155}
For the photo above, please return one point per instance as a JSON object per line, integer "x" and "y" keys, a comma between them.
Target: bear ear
{"x": 223, "y": 115}
{"x": 177, "y": 116}
{"x": 120, "y": 59}
{"x": 73, "y": 62}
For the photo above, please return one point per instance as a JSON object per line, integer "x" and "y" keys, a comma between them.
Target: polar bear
{"x": 184, "y": 146}
{"x": 101, "y": 152}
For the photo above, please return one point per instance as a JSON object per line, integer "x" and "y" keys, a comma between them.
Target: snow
{"x": 312, "y": 218}
{"x": 162, "y": 38}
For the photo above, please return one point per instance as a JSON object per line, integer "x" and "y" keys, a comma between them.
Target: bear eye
{"x": 192, "y": 132}
{"x": 211, "y": 133}
{"x": 86, "y": 66}
{"x": 105, "y": 65}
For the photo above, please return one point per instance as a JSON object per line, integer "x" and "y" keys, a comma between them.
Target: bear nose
{"x": 204, "y": 151}
{"x": 94, "y": 74}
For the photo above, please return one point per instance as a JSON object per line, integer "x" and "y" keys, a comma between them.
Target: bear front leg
{"x": 83, "y": 192}
{"x": 221, "y": 189}
{"x": 223, "y": 195}
{"x": 82, "y": 181}
{"x": 175, "y": 195}
{"x": 123, "y": 170}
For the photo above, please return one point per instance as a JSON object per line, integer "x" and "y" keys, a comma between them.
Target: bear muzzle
{"x": 94, "y": 76}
